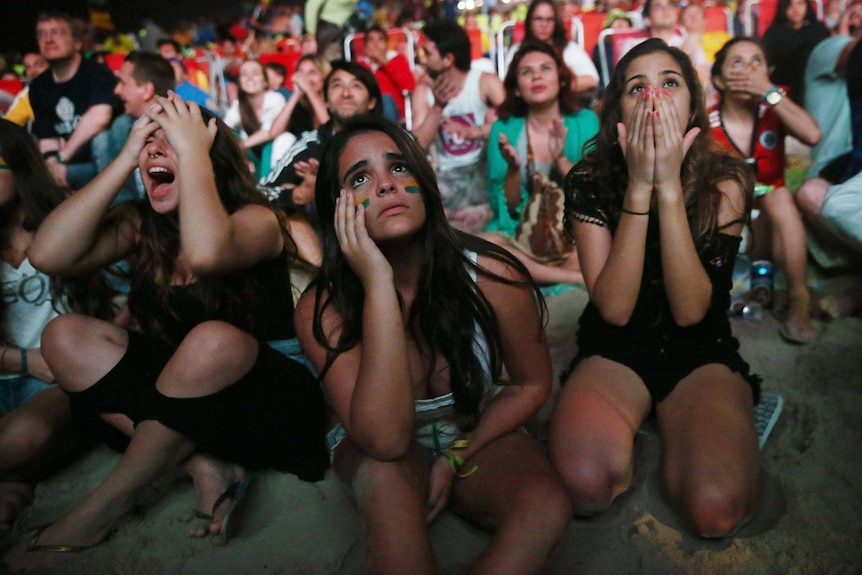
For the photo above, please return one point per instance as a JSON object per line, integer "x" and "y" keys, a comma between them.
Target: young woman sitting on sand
{"x": 751, "y": 120}
{"x": 198, "y": 386}
{"x": 657, "y": 216}
{"x": 34, "y": 413}
{"x": 410, "y": 323}
{"x": 540, "y": 129}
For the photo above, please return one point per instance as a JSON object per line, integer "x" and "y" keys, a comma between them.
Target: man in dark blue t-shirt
{"x": 73, "y": 103}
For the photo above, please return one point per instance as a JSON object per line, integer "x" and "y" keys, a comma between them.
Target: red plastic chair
{"x": 12, "y": 86}
{"x": 591, "y": 23}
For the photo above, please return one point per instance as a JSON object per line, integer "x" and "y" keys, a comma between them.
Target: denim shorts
{"x": 291, "y": 349}
{"x": 17, "y": 391}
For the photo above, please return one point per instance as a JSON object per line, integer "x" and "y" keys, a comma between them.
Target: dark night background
{"x": 18, "y": 17}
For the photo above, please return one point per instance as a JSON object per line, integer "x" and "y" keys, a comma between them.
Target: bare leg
{"x": 390, "y": 496}
{"x": 568, "y": 272}
{"x": 213, "y": 356}
{"x": 841, "y": 305}
{"x": 789, "y": 252}
{"x": 810, "y": 198}
{"x": 592, "y": 431}
{"x": 711, "y": 459}
{"x": 35, "y": 434}
{"x": 517, "y": 492}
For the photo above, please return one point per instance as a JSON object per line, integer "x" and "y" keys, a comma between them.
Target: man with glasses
{"x": 73, "y": 103}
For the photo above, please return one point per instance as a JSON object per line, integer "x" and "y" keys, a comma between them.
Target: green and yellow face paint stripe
{"x": 361, "y": 200}
{"x": 4, "y": 165}
{"x": 412, "y": 187}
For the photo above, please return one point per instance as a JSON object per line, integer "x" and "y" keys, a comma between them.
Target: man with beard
{"x": 350, "y": 89}
{"x": 455, "y": 113}
{"x": 73, "y": 103}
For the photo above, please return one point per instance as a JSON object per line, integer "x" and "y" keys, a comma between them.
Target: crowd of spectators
{"x": 501, "y": 112}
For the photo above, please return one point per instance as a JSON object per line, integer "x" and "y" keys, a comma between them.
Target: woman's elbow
{"x": 204, "y": 263}
{"x": 616, "y": 317}
{"x": 815, "y": 137}
{"x": 689, "y": 317}
{"x": 41, "y": 260}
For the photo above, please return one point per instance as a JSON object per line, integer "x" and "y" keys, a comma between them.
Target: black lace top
{"x": 652, "y": 316}
{"x": 257, "y": 300}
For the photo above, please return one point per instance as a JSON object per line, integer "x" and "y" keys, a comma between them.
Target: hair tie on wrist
{"x": 23, "y": 360}
{"x": 631, "y": 213}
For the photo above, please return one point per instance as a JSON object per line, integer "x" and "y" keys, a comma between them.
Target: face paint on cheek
{"x": 361, "y": 200}
{"x": 412, "y": 187}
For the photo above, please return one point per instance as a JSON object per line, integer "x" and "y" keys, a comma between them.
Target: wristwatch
{"x": 774, "y": 95}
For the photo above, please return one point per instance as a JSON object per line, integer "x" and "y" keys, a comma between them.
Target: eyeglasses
{"x": 51, "y": 32}
{"x": 540, "y": 20}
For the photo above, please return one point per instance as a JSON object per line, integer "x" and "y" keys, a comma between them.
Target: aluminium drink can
{"x": 762, "y": 282}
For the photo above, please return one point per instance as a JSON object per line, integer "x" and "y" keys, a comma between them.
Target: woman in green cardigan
{"x": 540, "y": 129}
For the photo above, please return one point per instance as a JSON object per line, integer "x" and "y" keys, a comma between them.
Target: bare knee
{"x": 213, "y": 355}
{"x": 376, "y": 482}
{"x": 717, "y": 510}
{"x": 810, "y": 197}
{"x": 545, "y": 502}
{"x": 593, "y": 484}
{"x": 60, "y": 337}
{"x": 79, "y": 349}
{"x": 24, "y": 432}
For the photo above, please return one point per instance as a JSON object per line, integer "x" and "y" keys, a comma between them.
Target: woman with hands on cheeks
{"x": 410, "y": 324}
{"x": 751, "y": 120}
{"x": 201, "y": 385}
{"x": 657, "y": 216}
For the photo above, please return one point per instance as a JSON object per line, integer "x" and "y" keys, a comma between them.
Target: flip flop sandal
{"x": 236, "y": 493}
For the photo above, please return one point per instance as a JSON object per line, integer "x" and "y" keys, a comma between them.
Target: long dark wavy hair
{"x": 247, "y": 117}
{"x": 448, "y": 308}
{"x": 704, "y": 165}
{"x": 36, "y": 195}
{"x": 514, "y": 104}
{"x": 153, "y": 262}
{"x": 559, "y": 38}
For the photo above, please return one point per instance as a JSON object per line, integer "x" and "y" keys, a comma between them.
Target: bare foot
{"x": 797, "y": 327}
{"x": 76, "y": 532}
{"x": 212, "y": 478}
{"x": 15, "y": 496}
{"x": 841, "y": 305}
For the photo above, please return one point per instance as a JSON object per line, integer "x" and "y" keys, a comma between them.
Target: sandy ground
{"x": 810, "y": 522}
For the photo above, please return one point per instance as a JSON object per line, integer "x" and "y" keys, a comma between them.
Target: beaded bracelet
{"x": 23, "y": 360}
{"x": 631, "y": 213}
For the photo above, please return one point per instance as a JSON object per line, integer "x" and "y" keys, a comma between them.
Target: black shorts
{"x": 662, "y": 363}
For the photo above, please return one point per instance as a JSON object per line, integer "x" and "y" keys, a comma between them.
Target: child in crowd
{"x": 541, "y": 128}
{"x": 34, "y": 413}
{"x": 199, "y": 385}
{"x": 657, "y": 214}
{"x": 750, "y": 121}
{"x": 410, "y": 324}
